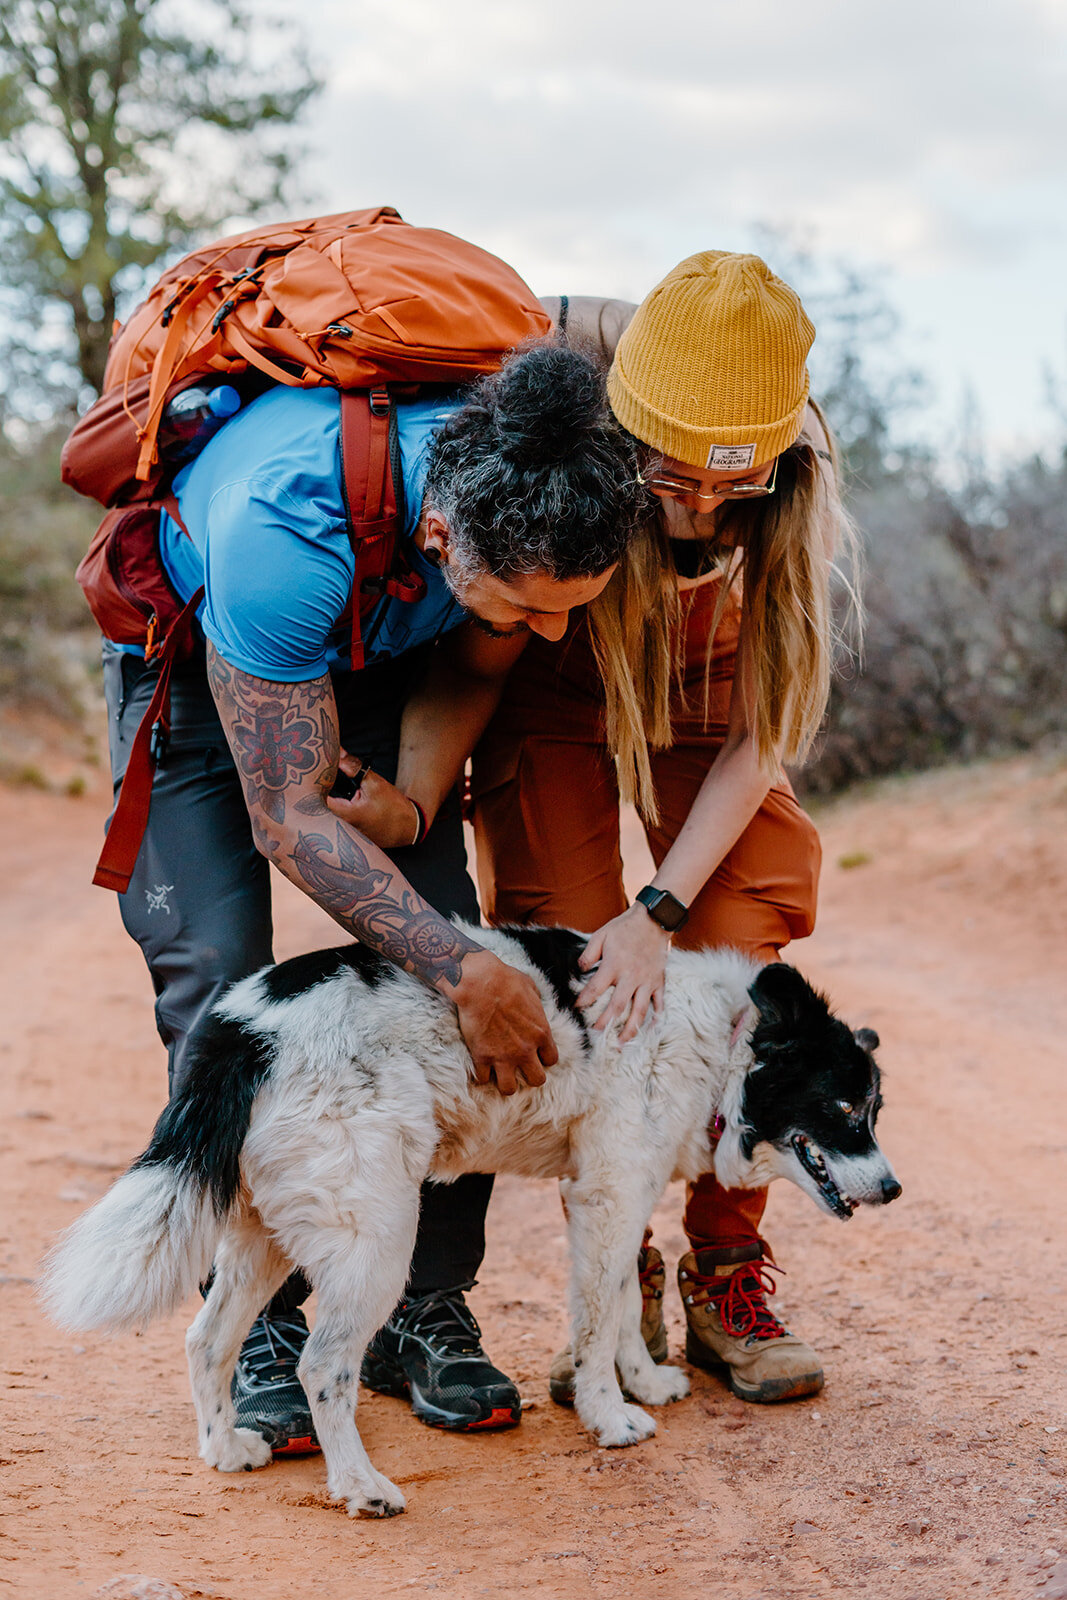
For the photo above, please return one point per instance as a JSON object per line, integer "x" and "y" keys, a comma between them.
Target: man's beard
{"x": 456, "y": 590}
{"x": 496, "y": 633}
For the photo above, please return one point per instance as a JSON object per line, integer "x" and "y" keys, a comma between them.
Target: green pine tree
{"x": 129, "y": 128}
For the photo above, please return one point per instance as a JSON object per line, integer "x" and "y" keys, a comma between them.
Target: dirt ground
{"x": 931, "y": 1467}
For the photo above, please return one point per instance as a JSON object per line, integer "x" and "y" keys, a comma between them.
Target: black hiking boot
{"x": 430, "y": 1352}
{"x": 266, "y": 1391}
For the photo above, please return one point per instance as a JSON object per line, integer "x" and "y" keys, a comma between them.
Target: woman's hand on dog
{"x": 632, "y": 955}
{"x": 379, "y": 810}
{"x": 503, "y": 1023}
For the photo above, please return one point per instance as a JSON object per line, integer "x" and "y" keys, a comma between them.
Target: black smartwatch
{"x": 663, "y": 907}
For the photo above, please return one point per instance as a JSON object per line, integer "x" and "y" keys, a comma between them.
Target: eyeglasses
{"x": 692, "y": 488}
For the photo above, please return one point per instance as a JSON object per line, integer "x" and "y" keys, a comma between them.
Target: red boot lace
{"x": 740, "y": 1300}
{"x": 649, "y": 1269}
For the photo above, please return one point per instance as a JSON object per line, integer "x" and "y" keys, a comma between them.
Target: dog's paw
{"x": 241, "y": 1450}
{"x": 630, "y": 1425}
{"x": 657, "y": 1387}
{"x": 376, "y": 1497}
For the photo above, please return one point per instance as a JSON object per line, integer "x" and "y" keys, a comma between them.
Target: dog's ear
{"x": 867, "y": 1039}
{"x": 780, "y": 994}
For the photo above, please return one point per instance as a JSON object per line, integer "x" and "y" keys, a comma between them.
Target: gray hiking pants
{"x": 199, "y": 901}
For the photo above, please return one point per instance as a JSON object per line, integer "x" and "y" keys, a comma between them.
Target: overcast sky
{"x": 595, "y": 145}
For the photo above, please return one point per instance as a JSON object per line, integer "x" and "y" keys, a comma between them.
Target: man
{"x": 519, "y": 502}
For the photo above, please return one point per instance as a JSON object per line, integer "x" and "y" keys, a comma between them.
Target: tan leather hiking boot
{"x": 730, "y": 1326}
{"x": 653, "y": 1276}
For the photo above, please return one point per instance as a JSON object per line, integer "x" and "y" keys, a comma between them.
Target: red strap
{"x": 370, "y": 501}
{"x": 130, "y": 817}
{"x": 409, "y": 586}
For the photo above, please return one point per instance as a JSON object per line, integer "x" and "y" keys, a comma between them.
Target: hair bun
{"x": 548, "y": 400}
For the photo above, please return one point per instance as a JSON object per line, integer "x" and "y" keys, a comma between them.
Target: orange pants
{"x": 546, "y": 817}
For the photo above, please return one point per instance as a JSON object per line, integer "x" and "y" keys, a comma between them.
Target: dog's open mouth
{"x": 810, "y": 1157}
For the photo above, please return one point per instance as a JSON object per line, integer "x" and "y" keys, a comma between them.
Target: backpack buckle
{"x": 407, "y": 586}
{"x": 157, "y": 746}
{"x": 380, "y": 402}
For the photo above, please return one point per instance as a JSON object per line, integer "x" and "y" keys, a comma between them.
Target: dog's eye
{"x": 847, "y": 1107}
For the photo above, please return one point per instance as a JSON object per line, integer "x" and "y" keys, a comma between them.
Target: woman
{"x": 714, "y": 643}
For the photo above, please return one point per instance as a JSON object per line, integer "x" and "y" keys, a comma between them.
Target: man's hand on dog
{"x": 503, "y": 1023}
{"x": 501, "y": 1017}
{"x": 632, "y": 952}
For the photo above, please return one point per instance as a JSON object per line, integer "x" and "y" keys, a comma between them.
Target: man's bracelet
{"x": 422, "y": 827}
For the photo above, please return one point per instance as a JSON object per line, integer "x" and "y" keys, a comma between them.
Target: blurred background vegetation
{"x": 127, "y": 138}
{"x": 129, "y": 129}
{"x": 964, "y": 579}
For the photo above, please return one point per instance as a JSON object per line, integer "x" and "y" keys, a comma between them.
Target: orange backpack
{"x": 360, "y": 301}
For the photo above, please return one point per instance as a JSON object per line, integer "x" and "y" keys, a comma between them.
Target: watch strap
{"x": 663, "y": 907}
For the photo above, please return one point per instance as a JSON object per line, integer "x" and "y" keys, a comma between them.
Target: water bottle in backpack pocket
{"x": 192, "y": 417}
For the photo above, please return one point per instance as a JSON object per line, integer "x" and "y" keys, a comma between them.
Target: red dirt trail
{"x": 932, "y": 1466}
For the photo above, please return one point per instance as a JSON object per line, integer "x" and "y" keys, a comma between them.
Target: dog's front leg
{"x": 641, "y": 1377}
{"x": 605, "y": 1235}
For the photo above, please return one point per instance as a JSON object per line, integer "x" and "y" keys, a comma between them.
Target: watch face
{"x": 663, "y": 907}
{"x": 671, "y": 911}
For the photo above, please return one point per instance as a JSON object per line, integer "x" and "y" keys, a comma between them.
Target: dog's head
{"x": 810, "y": 1100}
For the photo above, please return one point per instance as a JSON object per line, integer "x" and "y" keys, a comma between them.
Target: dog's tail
{"x": 142, "y": 1249}
{"x": 135, "y": 1255}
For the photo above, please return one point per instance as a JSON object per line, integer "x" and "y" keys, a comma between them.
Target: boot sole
{"x": 307, "y": 1446}
{"x": 383, "y": 1379}
{"x": 769, "y": 1392}
{"x": 562, "y": 1389}
{"x": 282, "y": 1442}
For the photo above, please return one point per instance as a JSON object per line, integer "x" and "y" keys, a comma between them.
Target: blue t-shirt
{"x": 268, "y": 538}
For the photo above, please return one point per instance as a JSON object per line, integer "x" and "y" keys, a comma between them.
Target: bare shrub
{"x": 966, "y": 641}
{"x": 48, "y": 644}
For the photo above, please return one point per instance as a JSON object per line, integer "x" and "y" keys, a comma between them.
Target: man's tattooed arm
{"x": 285, "y": 743}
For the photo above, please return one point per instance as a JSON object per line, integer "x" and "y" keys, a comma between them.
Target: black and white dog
{"x": 326, "y": 1089}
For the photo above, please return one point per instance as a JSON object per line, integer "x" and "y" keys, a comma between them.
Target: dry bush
{"x": 966, "y": 640}
{"x": 48, "y": 645}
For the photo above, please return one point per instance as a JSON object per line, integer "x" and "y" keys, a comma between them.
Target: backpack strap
{"x": 368, "y": 434}
{"x": 130, "y": 817}
{"x": 368, "y": 441}
{"x": 163, "y": 369}
{"x": 256, "y": 358}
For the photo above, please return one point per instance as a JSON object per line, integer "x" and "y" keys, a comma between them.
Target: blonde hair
{"x": 781, "y": 551}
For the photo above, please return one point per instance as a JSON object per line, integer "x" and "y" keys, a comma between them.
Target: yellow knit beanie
{"x": 712, "y": 368}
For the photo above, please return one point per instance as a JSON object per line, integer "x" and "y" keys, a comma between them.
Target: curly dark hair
{"x": 533, "y": 473}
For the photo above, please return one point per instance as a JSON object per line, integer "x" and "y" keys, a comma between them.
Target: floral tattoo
{"x": 285, "y": 743}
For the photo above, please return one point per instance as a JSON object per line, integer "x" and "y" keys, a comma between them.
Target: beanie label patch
{"x": 731, "y": 457}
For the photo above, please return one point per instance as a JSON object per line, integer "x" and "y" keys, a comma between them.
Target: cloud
{"x": 515, "y": 115}
{"x": 594, "y": 146}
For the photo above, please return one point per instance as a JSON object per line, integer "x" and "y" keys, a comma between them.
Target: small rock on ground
{"x": 134, "y": 1586}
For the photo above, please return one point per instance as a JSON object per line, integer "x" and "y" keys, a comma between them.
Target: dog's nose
{"x": 890, "y": 1190}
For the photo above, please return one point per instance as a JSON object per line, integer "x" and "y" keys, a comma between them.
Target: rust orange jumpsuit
{"x": 546, "y": 817}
